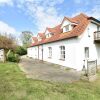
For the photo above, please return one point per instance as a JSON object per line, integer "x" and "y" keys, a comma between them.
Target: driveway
{"x": 47, "y": 71}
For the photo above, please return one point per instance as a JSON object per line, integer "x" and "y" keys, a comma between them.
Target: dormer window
{"x": 52, "y": 34}
{"x": 33, "y": 41}
{"x": 40, "y": 36}
{"x": 66, "y": 28}
{"x": 68, "y": 24}
{"x": 39, "y": 39}
{"x": 49, "y": 35}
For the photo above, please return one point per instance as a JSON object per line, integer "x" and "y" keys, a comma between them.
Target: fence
{"x": 91, "y": 67}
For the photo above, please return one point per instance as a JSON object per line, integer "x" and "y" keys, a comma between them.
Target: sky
{"x": 35, "y": 15}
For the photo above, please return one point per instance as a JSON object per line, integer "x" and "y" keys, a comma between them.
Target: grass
{"x": 15, "y": 86}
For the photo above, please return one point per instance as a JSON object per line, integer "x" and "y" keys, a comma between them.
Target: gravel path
{"x": 46, "y": 71}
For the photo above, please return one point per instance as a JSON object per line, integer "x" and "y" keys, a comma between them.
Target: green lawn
{"x": 15, "y": 86}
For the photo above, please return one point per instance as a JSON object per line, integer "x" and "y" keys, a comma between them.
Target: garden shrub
{"x": 21, "y": 50}
{"x": 12, "y": 57}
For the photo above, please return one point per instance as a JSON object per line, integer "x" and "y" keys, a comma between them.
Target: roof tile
{"x": 82, "y": 21}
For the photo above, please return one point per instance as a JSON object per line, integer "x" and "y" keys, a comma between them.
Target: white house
{"x": 69, "y": 44}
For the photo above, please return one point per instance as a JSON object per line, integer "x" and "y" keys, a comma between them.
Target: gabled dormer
{"x": 40, "y": 36}
{"x": 34, "y": 40}
{"x": 67, "y": 24}
{"x": 48, "y": 33}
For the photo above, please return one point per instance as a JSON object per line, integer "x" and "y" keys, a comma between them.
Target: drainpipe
{"x": 38, "y": 52}
{"x": 42, "y": 52}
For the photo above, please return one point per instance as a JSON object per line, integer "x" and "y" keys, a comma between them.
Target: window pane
{"x": 62, "y": 52}
{"x": 63, "y": 47}
{"x": 67, "y": 28}
{"x": 50, "y": 51}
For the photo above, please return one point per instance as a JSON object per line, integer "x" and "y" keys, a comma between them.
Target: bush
{"x": 17, "y": 58}
{"x": 21, "y": 50}
{"x": 13, "y": 57}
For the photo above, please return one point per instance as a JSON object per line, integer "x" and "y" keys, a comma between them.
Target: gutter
{"x": 94, "y": 19}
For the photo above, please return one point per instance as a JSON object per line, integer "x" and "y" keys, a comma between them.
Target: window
{"x": 66, "y": 28}
{"x": 50, "y": 52}
{"x": 86, "y": 52}
{"x": 52, "y": 34}
{"x": 49, "y": 35}
{"x": 62, "y": 52}
{"x": 39, "y": 39}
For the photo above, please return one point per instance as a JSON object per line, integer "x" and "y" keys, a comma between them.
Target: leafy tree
{"x": 7, "y": 42}
{"x": 25, "y": 37}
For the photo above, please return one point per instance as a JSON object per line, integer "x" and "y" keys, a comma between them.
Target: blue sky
{"x": 36, "y": 15}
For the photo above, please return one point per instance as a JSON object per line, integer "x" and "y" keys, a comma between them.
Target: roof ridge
{"x": 81, "y": 14}
{"x": 84, "y": 15}
{"x": 53, "y": 27}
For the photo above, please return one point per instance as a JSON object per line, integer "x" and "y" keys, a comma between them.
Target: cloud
{"x": 5, "y": 28}
{"x": 83, "y": 2}
{"x": 9, "y": 30}
{"x": 90, "y": 10}
{"x": 44, "y": 12}
{"x": 6, "y": 2}
{"x": 77, "y": 1}
{"x": 95, "y": 12}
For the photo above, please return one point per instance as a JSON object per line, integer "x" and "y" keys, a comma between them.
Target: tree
{"x": 7, "y": 43}
{"x": 25, "y": 37}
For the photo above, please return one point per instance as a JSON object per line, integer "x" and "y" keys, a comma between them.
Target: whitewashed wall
{"x": 70, "y": 52}
{"x": 29, "y": 52}
{"x": 33, "y": 52}
{"x": 87, "y": 40}
{"x": 2, "y": 56}
{"x": 40, "y": 52}
{"x": 74, "y": 48}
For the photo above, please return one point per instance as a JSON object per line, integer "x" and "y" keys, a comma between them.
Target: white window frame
{"x": 49, "y": 35}
{"x": 62, "y": 52}
{"x": 50, "y": 52}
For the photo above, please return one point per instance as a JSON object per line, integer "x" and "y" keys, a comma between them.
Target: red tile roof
{"x": 69, "y": 19}
{"x": 81, "y": 20}
{"x": 55, "y": 30}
